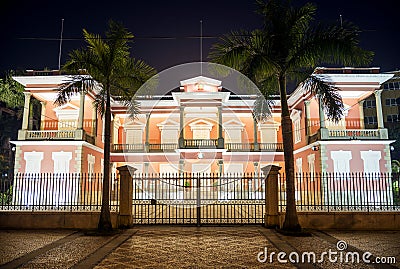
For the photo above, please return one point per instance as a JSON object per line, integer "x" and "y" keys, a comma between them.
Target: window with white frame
{"x": 91, "y": 161}
{"x": 297, "y": 131}
{"x": 371, "y": 161}
{"x": 341, "y": 161}
{"x": 33, "y": 162}
{"x": 61, "y": 161}
{"x": 296, "y": 116}
{"x": 391, "y": 102}
{"x": 370, "y": 120}
{"x": 311, "y": 166}
{"x": 369, "y": 104}
{"x": 299, "y": 166}
{"x": 392, "y": 118}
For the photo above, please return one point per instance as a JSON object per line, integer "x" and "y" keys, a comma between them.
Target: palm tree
{"x": 106, "y": 67}
{"x": 287, "y": 48}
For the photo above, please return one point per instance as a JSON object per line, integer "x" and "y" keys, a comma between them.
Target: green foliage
{"x": 11, "y": 92}
{"x": 395, "y": 166}
{"x": 106, "y": 68}
{"x": 288, "y": 47}
{"x": 6, "y": 197}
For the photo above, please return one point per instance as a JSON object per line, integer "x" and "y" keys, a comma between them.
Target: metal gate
{"x": 198, "y": 199}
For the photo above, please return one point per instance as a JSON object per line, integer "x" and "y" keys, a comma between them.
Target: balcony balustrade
{"x": 349, "y": 134}
{"x": 197, "y": 144}
{"x": 56, "y": 135}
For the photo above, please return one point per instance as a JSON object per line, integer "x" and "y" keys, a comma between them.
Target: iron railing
{"x": 171, "y": 147}
{"x": 343, "y": 192}
{"x": 56, "y": 192}
{"x": 50, "y": 135}
{"x": 198, "y": 199}
{"x": 200, "y": 143}
{"x": 130, "y": 148}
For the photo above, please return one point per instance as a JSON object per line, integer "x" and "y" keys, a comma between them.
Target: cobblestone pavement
{"x": 186, "y": 247}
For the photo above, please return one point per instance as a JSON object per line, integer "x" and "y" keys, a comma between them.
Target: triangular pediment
{"x": 67, "y": 106}
{"x": 201, "y": 122}
{"x": 233, "y": 123}
{"x": 168, "y": 124}
{"x": 201, "y": 79}
{"x": 134, "y": 124}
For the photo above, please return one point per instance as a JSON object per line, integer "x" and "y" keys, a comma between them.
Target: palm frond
{"x": 262, "y": 109}
{"x": 331, "y": 45}
{"x": 328, "y": 94}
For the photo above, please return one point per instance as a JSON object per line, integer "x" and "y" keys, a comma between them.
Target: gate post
{"x": 271, "y": 218}
{"x": 126, "y": 195}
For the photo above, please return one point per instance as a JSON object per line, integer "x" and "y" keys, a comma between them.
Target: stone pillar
{"x": 220, "y": 167}
{"x": 25, "y": 118}
{"x": 81, "y": 110}
{"x": 271, "y": 196}
{"x": 379, "y": 113}
{"x": 321, "y": 115}
{"x": 255, "y": 135}
{"x": 181, "y": 127}
{"x": 147, "y": 143}
{"x": 42, "y": 115}
{"x": 181, "y": 166}
{"x": 308, "y": 117}
{"x": 256, "y": 177}
{"x": 361, "y": 108}
{"x": 126, "y": 194}
{"x": 94, "y": 124}
{"x": 220, "y": 138}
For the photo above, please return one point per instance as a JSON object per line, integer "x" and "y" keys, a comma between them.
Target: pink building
{"x": 218, "y": 131}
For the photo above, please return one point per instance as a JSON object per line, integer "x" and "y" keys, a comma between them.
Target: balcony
{"x": 349, "y": 134}
{"x": 197, "y": 144}
{"x": 66, "y": 130}
{"x": 132, "y": 148}
{"x": 55, "y": 135}
{"x": 200, "y": 144}
{"x": 246, "y": 147}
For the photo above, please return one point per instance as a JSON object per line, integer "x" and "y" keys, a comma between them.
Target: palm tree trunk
{"x": 291, "y": 222}
{"x": 105, "y": 216}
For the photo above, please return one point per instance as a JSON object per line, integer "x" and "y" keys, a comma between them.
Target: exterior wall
{"x": 98, "y": 156}
{"x": 356, "y": 163}
{"x": 47, "y": 164}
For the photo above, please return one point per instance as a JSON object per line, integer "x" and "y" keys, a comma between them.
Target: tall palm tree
{"x": 106, "y": 67}
{"x": 287, "y": 48}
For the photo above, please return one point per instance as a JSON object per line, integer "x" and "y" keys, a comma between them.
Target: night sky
{"x": 26, "y": 24}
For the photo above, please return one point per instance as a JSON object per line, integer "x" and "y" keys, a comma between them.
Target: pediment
{"x": 67, "y": 106}
{"x": 233, "y": 124}
{"x": 201, "y": 124}
{"x": 168, "y": 124}
{"x": 134, "y": 124}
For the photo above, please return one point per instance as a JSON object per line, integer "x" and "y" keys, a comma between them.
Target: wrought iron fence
{"x": 198, "y": 199}
{"x": 343, "y": 192}
{"x": 56, "y": 192}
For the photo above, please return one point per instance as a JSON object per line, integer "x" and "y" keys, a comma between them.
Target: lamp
{"x": 200, "y": 155}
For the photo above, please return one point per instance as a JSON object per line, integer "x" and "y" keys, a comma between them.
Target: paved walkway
{"x": 192, "y": 247}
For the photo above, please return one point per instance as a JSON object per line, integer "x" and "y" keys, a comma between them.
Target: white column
{"x": 181, "y": 126}
{"x": 43, "y": 115}
{"x": 81, "y": 110}
{"x": 25, "y": 118}
{"x": 321, "y": 115}
{"x": 308, "y": 116}
{"x": 379, "y": 113}
{"x": 361, "y": 107}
